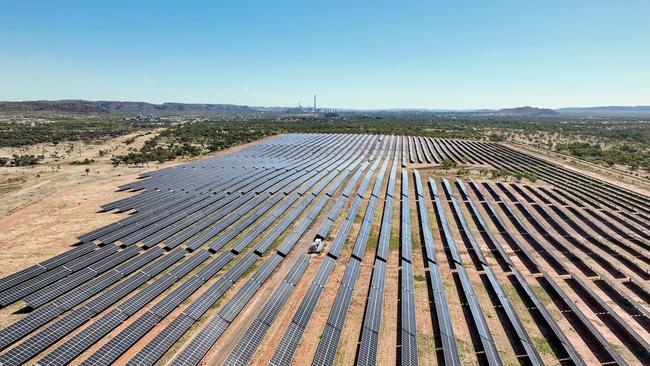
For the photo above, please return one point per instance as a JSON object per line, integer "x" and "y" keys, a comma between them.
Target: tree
{"x": 87, "y": 170}
{"x": 447, "y": 164}
{"x": 25, "y": 160}
{"x": 463, "y": 171}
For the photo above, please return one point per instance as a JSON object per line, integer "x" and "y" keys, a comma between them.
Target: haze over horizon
{"x": 365, "y": 55}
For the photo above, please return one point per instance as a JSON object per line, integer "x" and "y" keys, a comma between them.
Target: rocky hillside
{"x": 85, "y": 106}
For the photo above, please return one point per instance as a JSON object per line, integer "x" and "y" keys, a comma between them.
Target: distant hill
{"x": 517, "y": 112}
{"x": 611, "y": 110}
{"x": 526, "y": 111}
{"x": 85, "y": 106}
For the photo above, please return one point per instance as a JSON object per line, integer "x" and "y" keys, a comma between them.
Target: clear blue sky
{"x": 359, "y": 54}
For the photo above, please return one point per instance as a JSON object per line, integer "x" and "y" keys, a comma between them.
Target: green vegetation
{"x": 85, "y": 161}
{"x": 152, "y": 152}
{"x": 606, "y": 141}
{"x": 65, "y": 128}
{"x": 542, "y": 294}
{"x": 20, "y": 160}
{"x": 543, "y": 346}
{"x": 506, "y": 174}
{"x": 193, "y": 139}
{"x": 631, "y": 156}
{"x": 628, "y": 140}
{"x": 448, "y": 164}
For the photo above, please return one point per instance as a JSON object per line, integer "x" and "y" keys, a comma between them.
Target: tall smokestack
{"x": 314, "y": 102}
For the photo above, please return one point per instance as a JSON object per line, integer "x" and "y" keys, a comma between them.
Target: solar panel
{"x": 66, "y": 352}
{"x": 35, "y": 344}
{"x": 230, "y": 200}
{"x": 409, "y": 349}
{"x": 162, "y": 342}
{"x": 176, "y": 297}
{"x": 230, "y": 310}
{"x": 16, "y": 293}
{"x": 135, "y": 303}
{"x": 117, "y": 345}
{"x": 326, "y": 351}
{"x": 286, "y": 348}
{"x": 267, "y": 268}
{"x": 201, "y": 344}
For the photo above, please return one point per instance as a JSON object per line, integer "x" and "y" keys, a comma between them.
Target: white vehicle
{"x": 317, "y": 246}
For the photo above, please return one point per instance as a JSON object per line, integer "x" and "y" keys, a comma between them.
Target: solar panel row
{"x": 241, "y": 196}
{"x": 559, "y": 337}
{"x": 367, "y": 353}
{"x": 407, "y": 347}
{"x": 195, "y": 351}
{"x": 88, "y": 336}
{"x": 284, "y": 353}
{"x": 628, "y": 335}
{"x": 477, "y": 317}
{"x": 504, "y": 301}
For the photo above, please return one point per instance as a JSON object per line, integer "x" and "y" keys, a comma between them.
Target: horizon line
{"x": 440, "y": 109}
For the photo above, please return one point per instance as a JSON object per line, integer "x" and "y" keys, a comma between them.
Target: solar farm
{"x": 213, "y": 263}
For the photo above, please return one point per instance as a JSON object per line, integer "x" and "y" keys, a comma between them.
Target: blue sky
{"x": 357, "y": 54}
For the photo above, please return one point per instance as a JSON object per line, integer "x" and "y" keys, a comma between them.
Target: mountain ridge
{"x": 107, "y": 106}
